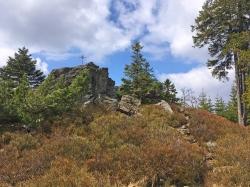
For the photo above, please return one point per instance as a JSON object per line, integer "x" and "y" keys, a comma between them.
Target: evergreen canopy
{"x": 215, "y": 26}
{"x": 22, "y": 64}
{"x": 139, "y": 80}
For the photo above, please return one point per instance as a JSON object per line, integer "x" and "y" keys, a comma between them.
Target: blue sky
{"x": 59, "y": 32}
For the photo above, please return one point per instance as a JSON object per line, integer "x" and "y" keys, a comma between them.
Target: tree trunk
{"x": 240, "y": 86}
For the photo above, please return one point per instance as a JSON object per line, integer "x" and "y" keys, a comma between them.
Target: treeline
{"x": 224, "y": 28}
{"x": 140, "y": 82}
{"x": 217, "y": 106}
{"x": 28, "y": 97}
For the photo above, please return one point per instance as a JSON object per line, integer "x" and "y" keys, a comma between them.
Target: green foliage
{"x": 216, "y": 26}
{"x": 169, "y": 92}
{"x": 52, "y": 98}
{"x": 205, "y": 102}
{"x": 19, "y": 100}
{"x": 22, "y": 64}
{"x": 6, "y": 94}
{"x": 139, "y": 80}
{"x": 220, "y": 107}
{"x": 57, "y": 98}
{"x": 239, "y": 44}
{"x": 231, "y": 110}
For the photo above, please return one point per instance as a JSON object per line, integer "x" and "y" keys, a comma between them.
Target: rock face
{"x": 129, "y": 105}
{"x": 100, "y": 83}
{"x": 165, "y": 106}
{"x": 101, "y": 87}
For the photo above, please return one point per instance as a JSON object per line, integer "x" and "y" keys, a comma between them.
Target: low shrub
{"x": 63, "y": 173}
{"x": 206, "y": 126}
{"x": 232, "y": 167}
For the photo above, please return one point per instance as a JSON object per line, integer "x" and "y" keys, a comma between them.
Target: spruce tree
{"x": 169, "y": 91}
{"x": 205, "y": 102}
{"x": 223, "y": 25}
{"x": 220, "y": 107}
{"x": 139, "y": 80}
{"x": 231, "y": 109}
{"x": 22, "y": 64}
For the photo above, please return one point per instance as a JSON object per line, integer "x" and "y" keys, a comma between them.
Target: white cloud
{"x": 199, "y": 79}
{"x": 4, "y": 54}
{"x": 167, "y": 23}
{"x": 41, "y": 65}
{"x": 54, "y": 27}
{"x": 173, "y": 26}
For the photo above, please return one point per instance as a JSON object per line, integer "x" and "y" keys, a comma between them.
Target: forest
{"x": 75, "y": 127}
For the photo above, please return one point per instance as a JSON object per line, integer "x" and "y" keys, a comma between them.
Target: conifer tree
{"x": 139, "y": 80}
{"x": 169, "y": 91}
{"x": 231, "y": 109}
{"x": 223, "y": 25}
{"x": 22, "y": 64}
{"x": 205, "y": 102}
{"x": 220, "y": 107}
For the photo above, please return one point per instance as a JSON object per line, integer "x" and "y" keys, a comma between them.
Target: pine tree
{"x": 205, "y": 102}
{"x": 223, "y": 25}
{"x": 20, "y": 65}
{"x": 169, "y": 91}
{"x": 220, "y": 107}
{"x": 139, "y": 80}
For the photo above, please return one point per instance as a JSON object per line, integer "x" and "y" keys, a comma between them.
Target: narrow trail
{"x": 209, "y": 157}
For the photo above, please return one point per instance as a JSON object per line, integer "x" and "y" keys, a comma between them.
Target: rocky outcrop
{"x": 165, "y": 106}
{"x": 129, "y": 105}
{"x": 100, "y": 83}
{"x": 101, "y": 87}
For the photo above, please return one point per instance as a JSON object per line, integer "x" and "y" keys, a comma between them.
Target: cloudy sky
{"x": 58, "y": 32}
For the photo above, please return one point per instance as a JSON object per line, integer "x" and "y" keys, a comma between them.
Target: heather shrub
{"x": 178, "y": 120}
{"x": 63, "y": 173}
{"x": 232, "y": 160}
{"x": 6, "y": 138}
{"x": 25, "y": 142}
{"x": 206, "y": 126}
{"x": 17, "y": 167}
{"x": 134, "y": 148}
{"x": 113, "y": 149}
{"x": 20, "y": 141}
{"x": 77, "y": 148}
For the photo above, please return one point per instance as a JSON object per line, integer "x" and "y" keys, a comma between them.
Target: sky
{"x": 58, "y": 32}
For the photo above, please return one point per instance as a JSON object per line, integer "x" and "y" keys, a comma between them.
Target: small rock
{"x": 129, "y": 105}
{"x": 211, "y": 145}
{"x": 165, "y": 106}
{"x": 184, "y": 131}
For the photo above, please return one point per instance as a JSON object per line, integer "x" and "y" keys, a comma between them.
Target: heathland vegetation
{"x": 71, "y": 129}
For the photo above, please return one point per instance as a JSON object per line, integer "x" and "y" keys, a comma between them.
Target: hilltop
{"x": 86, "y": 135}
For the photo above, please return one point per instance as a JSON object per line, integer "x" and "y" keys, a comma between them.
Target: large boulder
{"x": 129, "y": 105}
{"x": 110, "y": 104}
{"x": 165, "y": 106}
